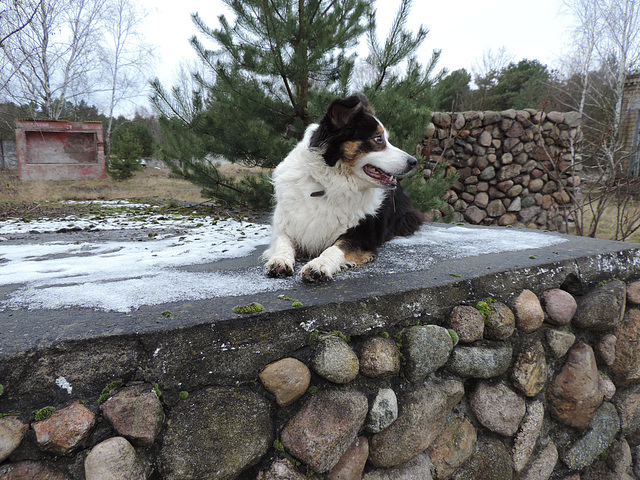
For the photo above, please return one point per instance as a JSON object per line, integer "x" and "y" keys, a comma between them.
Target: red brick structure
{"x": 55, "y": 150}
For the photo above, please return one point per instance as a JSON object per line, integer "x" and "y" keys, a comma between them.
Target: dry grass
{"x": 607, "y": 224}
{"x": 150, "y": 183}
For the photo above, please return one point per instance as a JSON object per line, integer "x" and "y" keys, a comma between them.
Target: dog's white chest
{"x": 313, "y": 215}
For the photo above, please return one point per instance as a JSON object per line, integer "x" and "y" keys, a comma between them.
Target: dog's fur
{"x": 337, "y": 199}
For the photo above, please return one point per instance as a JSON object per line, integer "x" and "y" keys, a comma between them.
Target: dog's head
{"x": 353, "y": 139}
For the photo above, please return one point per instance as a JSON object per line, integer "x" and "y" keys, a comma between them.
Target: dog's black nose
{"x": 411, "y": 162}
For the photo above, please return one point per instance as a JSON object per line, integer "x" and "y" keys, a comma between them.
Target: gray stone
{"x": 607, "y": 386}
{"x": 325, "y": 427}
{"x": 501, "y": 323}
{"x": 383, "y": 411}
{"x": 527, "y": 214}
{"x": 422, "y": 416}
{"x": 496, "y": 208}
{"x": 491, "y": 461}
{"x": 228, "y": 430}
{"x": 509, "y": 171}
{"x": 114, "y": 459}
{"x": 490, "y": 117}
{"x": 474, "y": 215}
{"x": 467, "y": 322}
{"x": 555, "y": 117}
{"x": 543, "y": 464}
{"x": 619, "y": 459}
{"x": 282, "y": 469}
{"x": 516, "y": 204}
{"x": 12, "y": 431}
{"x": 575, "y": 394}
{"x": 66, "y": 430}
{"x": 572, "y": 119}
{"x": 417, "y": 469}
{"x": 425, "y": 348}
{"x": 627, "y": 402}
{"x": 626, "y": 366}
{"x": 351, "y": 464}
{"x": 488, "y": 173}
{"x": 497, "y": 407}
{"x": 530, "y": 370}
{"x": 288, "y": 379}
{"x": 602, "y": 308}
{"x": 606, "y": 349}
{"x": 455, "y": 444}
{"x": 136, "y": 413}
{"x": 559, "y": 342}
{"x": 601, "y": 432}
{"x": 560, "y": 306}
{"x": 30, "y": 470}
{"x": 379, "y": 357}
{"x": 528, "y": 434}
{"x": 529, "y": 313}
{"x": 633, "y": 293}
{"x": 480, "y": 362}
{"x": 485, "y": 138}
{"x": 335, "y": 360}
{"x": 482, "y": 199}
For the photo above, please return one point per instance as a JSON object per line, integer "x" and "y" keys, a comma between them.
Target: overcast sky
{"x": 461, "y": 29}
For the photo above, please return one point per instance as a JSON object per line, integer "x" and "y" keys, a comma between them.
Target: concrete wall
{"x": 50, "y": 150}
{"x": 8, "y": 155}
{"x": 547, "y": 386}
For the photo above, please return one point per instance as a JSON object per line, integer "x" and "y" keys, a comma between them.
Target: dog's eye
{"x": 379, "y": 139}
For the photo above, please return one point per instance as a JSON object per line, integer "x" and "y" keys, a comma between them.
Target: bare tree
{"x": 54, "y": 56}
{"x": 606, "y": 48}
{"x": 125, "y": 56}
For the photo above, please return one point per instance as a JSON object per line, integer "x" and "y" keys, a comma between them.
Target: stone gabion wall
{"x": 547, "y": 386}
{"x": 514, "y": 166}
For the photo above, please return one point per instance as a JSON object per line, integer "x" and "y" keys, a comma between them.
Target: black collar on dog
{"x": 319, "y": 193}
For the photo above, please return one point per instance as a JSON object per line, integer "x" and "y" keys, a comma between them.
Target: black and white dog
{"x": 337, "y": 197}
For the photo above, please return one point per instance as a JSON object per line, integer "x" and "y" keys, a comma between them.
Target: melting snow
{"x": 123, "y": 276}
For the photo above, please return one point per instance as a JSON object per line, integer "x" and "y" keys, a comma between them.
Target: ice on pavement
{"x": 123, "y": 276}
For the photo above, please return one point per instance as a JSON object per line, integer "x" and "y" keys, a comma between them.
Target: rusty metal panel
{"x": 50, "y": 150}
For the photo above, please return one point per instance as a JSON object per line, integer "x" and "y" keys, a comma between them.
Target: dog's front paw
{"x": 277, "y": 267}
{"x": 315, "y": 271}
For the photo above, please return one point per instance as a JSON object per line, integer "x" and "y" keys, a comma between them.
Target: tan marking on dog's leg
{"x": 354, "y": 255}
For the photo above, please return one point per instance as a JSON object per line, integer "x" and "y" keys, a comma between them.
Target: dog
{"x": 337, "y": 195}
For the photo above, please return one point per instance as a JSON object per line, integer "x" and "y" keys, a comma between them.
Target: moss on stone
{"x": 106, "y": 391}
{"x": 44, "y": 413}
{"x": 454, "y": 336}
{"x": 252, "y": 307}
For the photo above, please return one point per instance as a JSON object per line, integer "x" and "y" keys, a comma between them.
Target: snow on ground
{"x": 124, "y": 275}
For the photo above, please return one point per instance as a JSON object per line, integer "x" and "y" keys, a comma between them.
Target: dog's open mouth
{"x": 380, "y": 175}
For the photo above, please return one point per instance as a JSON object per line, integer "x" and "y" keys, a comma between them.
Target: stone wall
{"x": 514, "y": 167}
{"x": 545, "y": 385}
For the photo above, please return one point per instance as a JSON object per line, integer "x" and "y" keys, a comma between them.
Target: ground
{"x": 30, "y": 200}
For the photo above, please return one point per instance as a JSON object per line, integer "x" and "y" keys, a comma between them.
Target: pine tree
{"x": 275, "y": 70}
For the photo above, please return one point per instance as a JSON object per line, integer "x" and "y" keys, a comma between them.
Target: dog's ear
{"x": 342, "y": 110}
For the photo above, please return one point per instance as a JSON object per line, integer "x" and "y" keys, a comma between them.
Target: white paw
{"x": 316, "y": 271}
{"x": 279, "y": 267}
